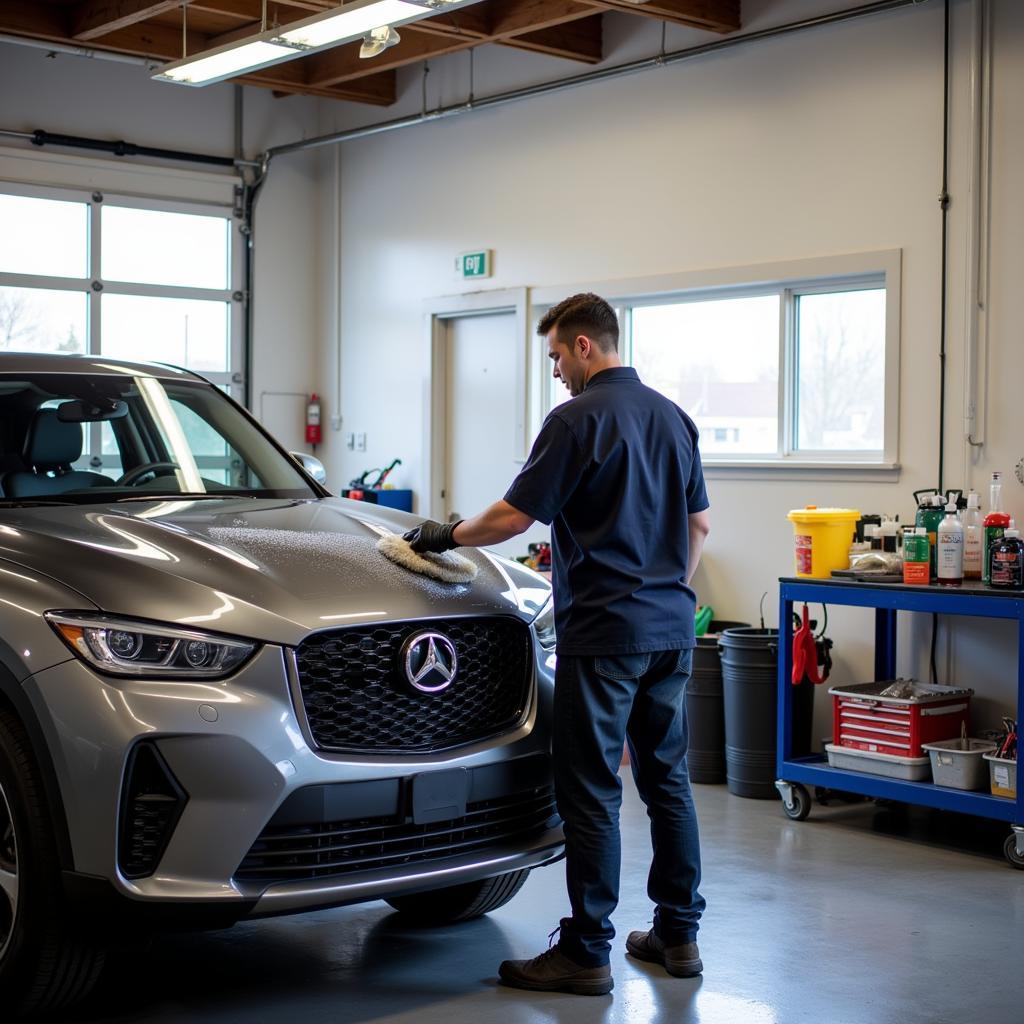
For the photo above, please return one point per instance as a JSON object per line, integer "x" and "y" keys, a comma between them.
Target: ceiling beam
{"x": 714, "y": 15}
{"x": 95, "y": 18}
{"x": 513, "y": 17}
{"x": 578, "y": 40}
{"x": 343, "y": 63}
{"x": 38, "y": 21}
{"x": 506, "y": 20}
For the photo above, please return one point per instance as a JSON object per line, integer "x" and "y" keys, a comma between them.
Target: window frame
{"x": 95, "y": 287}
{"x": 788, "y": 280}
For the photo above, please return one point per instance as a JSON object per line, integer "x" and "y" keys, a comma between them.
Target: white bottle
{"x": 949, "y": 559}
{"x": 972, "y": 537}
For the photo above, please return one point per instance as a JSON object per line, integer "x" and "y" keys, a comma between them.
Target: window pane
{"x": 841, "y": 371}
{"x": 719, "y": 361}
{"x": 186, "y": 332}
{"x": 154, "y": 247}
{"x": 40, "y": 320}
{"x": 43, "y": 236}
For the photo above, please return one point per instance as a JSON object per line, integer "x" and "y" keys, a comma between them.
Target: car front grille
{"x": 335, "y": 848}
{"x": 357, "y": 698}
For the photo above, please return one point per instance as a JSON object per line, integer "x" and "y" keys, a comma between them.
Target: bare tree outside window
{"x": 42, "y": 320}
{"x": 841, "y": 371}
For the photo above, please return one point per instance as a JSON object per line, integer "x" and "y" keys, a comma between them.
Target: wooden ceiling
{"x": 570, "y": 29}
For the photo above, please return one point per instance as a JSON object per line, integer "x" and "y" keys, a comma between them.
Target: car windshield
{"x": 97, "y": 438}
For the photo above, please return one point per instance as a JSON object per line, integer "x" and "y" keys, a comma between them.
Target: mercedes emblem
{"x": 430, "y": 662}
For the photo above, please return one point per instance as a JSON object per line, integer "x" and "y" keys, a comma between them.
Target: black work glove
{"x": 431, "y": 536}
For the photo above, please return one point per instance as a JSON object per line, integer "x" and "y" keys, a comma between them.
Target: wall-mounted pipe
{"x": 591, "y": 77}
{"x": 79, "y": 51}
{"x": 976, "y": 285}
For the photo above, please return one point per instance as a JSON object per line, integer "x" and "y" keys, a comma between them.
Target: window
{"x": 796, "y": 370}
{"x": 124, "y": 278}
{"x": 719, "y": 360}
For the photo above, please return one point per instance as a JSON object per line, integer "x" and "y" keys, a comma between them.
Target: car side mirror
{"x": 79, "y": 411}
{"x": 312, "y": 465}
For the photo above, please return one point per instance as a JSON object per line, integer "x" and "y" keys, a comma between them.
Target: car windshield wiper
{"x": 198, "y": 496}
{"x": 32, "y": 502}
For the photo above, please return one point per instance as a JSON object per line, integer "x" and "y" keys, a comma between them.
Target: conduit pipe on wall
{"x": 976, "y": 278}
{"x": 591, "y": 77}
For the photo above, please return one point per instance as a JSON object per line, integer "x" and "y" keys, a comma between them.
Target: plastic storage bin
{"x": 1002, "y": 776}
{"x": 956, "y": 768}
{"x": 822, "y": 538}
{"x": 911, "y": 769}
{"x": 863, "y": 720}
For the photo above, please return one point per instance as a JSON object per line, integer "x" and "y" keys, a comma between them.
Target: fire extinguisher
{"x": 313, "y": 432}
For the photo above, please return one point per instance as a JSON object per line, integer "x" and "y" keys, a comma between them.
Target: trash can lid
{"x": 813, "y": 514}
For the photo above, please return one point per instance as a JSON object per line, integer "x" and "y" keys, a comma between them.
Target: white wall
{"x": 823, "y": 142}
{"x": 112, "y": 101}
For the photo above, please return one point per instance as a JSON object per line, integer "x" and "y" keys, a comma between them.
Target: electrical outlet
{"x": 335, "y": 423}
{"x": 350, "y": 442}
{"x": 1020, "y": 471}
{"x": 360, "y": 442}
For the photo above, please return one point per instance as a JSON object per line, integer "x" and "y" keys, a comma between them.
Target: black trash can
{"x": 705, "y": 712}
{"x": 750, "y": 685}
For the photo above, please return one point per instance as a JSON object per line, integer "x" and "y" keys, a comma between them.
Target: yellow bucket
{"x": 822, "y": 538}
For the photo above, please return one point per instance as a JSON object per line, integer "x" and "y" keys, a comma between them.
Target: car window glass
{"x": 172, "y": 437}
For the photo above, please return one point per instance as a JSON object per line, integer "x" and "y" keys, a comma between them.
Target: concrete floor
{"x": 860, "y": 914}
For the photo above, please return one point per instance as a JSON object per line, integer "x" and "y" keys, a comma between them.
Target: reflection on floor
{"x": 860, "y": 914}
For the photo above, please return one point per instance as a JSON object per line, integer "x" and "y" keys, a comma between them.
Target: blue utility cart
{"x": 795, "y": 774}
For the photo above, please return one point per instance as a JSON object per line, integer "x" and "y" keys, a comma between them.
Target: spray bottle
{"x": 950, "y": 556}
{"x": 995, "y": 523}
{"x": 972, "y": 537}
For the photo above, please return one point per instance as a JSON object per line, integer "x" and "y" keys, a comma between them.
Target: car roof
{"x": 39, "y": 362}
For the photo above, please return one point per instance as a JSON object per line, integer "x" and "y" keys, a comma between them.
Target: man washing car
{"x": 617, "y": 474}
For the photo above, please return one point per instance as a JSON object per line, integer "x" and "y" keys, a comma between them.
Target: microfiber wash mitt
{"x": 447, "y": 567}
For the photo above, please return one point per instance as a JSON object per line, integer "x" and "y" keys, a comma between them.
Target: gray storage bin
{"x": 956, "y": 768}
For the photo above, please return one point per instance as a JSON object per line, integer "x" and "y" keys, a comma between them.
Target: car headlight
{"x": 544, "y": 626}
{"x": 124, "y": 647}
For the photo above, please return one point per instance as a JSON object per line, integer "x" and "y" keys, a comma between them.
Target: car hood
{"x": 272, "y": 570}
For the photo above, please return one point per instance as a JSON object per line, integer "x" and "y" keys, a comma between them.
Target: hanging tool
{"x": 806, "y": 648}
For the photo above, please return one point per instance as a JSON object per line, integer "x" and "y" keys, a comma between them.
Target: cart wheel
{"x": 822, "y": 794}
{"x": 1011, "y": 854}
{"x": 801, "y": 803}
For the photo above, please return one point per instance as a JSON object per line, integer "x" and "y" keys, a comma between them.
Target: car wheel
{"x": 460, "y": 902}
{"x": 45, "y": 961}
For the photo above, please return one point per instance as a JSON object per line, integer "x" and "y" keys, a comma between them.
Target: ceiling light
{"x": 377, "y": 40}
{"x": 224, "y": 62}
{"x": 348, "y": 22}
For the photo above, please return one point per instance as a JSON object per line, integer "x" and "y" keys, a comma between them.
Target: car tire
{"x": 460, "y": 902}
{"x": 46, "y": 960}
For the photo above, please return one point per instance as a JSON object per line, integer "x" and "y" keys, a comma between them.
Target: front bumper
{"x": 239, "y": 750}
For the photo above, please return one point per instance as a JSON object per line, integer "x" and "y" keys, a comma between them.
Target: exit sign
{"x": 473, "y": 264}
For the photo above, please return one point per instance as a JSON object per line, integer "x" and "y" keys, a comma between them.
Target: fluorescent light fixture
{"x": 224, "y": 62}
{"x": 347, "y": 22}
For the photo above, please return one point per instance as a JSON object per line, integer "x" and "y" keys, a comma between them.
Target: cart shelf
{"x": 888, "y": 599}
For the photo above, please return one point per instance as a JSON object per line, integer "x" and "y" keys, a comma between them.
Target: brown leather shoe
{"x": 680, "y": 961}
{"x": 553, "y": 971}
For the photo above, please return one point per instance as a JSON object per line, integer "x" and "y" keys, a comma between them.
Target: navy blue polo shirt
{"x": 616, "y": 472}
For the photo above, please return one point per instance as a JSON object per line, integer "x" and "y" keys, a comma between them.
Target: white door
{"x": 481, "y": 430}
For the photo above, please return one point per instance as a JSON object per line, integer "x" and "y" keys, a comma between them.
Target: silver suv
{"x": 212, "y": 703}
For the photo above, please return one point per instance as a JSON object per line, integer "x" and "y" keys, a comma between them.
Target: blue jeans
{"x": 599, "y": 702}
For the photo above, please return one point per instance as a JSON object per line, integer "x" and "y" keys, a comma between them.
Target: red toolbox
{"x": 865, "y": 720}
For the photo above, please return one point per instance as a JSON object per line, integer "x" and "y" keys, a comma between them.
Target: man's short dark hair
{"x": 587, "y": 314}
